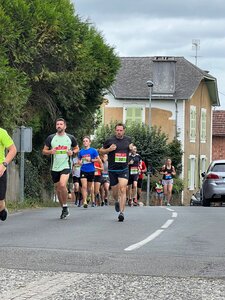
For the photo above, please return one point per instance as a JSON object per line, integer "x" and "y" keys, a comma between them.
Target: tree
{"x": 65, "y": 61}
{"x": 52, "y": 64}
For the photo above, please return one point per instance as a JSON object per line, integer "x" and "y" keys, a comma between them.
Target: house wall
{"x": 218, "y": 147}
{"x": 200, "y": 99}
{"x": 163, "y": 113}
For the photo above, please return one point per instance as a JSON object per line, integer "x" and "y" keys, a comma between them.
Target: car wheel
{"x": 205, "y": 202}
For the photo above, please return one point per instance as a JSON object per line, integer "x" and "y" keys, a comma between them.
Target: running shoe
{"x": 85, "y": 205}
{"x": 106, "y": 202}
{"x": 65, "y": 213}
{"x": 121, "y": 217}
{"x": 93, "y": 204}
{"x": 102, "y": 203}
{"x": 117, "y": 206}
{"x": 130, "y": 202}
{"x": 3, "y": 214}
{"x": 135, "y": 202}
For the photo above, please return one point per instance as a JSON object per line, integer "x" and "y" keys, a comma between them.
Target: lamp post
{"x": 150, "y": 85}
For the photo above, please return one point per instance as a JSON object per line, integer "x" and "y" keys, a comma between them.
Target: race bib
{"x": 86, "y": 159}
{"x": 169, "y": 176}
{"x": 61, "y": 151}
{"x": 105, "y": 175}
{"x": 134, "y": 170}
{"x": 120, "y": 157}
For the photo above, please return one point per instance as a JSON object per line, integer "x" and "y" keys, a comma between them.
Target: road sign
{"x": 22, "y": 137}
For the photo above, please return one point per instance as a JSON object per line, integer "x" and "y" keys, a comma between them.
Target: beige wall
{"x": 200, "y": 99}
{"x": 167, "y": 126}
{"x": 161, "y": 118}
{"x": 113, "y": 114}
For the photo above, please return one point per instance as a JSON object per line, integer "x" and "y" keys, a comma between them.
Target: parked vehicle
{"x": 213, "y": 185}
{"x": 196, "y": 199}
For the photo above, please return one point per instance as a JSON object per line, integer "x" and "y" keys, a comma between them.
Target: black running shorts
{"x": 56, "y": 175}
{"x": 3, "y": 185}
{"x": 114, "y": 175}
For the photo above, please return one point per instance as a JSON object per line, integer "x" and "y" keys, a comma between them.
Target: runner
{"x": 159, "y": 192}
{"x": 168, "y": 172}
{"x": 87, "y": 156}
{"x": 5, "y": 143}
{"x": 142, "y": 170}
{"x": 61, "y": 146}
{"x": 105, "y": 181}
{"x": 118, "y": 147}
{"x": 97, "y": 181}
{"x": 76, "y": 181}
{"x": 134, "y": 162}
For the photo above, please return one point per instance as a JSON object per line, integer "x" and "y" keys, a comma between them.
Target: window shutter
{"x": 133, "y": 114}
{"x": 203, "y": 125}
{"x": 192, "y": 123}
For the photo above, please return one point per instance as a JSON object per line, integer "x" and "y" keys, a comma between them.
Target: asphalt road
{"x": 157, "y": 253}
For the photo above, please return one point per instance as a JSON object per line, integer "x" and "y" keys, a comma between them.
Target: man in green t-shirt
{"x": 6, "y": 143}
{"x": 61, "y": 146}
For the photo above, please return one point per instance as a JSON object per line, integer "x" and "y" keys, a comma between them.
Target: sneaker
{"x": 168, "y": 204}
{"x": 121, "y": 217}
{"x": 85, "y": 205}
{"x": 3, "y": 214}
{"x": 93, "y": 204}
{"x": 130, "y": 202}
{"x": 102, "y": 203}
{"x": 117, "y": 206}
{"x": 106, "y": 202}
{"x": 65, "y": 213}
{"x": 135, "y": 202}
{"x": 88, "y": 199}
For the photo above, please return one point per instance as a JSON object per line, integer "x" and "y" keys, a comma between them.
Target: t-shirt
{"x": 5, "y": 142}
{"x": 97, "y": 171}
{"x": 84, "y": 155}
{"x": 62, "y": 144}
{"x": 134, "y": 167}
{"x": 142, "y": 166}
{"x": 118, "y": 159}
{"x": 76, "y": 167}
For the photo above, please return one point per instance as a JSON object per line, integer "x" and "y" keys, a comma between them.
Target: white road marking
{"x": 167, "y": 224}
{"x": 174, "y": 214}
{"x": 154, "y": 234}
{"x": 145, "y": 241}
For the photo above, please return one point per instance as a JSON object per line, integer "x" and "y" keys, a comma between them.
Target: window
{"x": 203, "y": 125}
{"x": 191, "y": 172}
{"x": 134, "y": 114}
{"x": 192, "y": 123}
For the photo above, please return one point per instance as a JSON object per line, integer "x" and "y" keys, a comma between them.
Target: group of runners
{"x": 116, "y": 165}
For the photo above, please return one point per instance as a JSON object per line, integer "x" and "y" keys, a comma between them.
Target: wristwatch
{"x": 5, "y": 164}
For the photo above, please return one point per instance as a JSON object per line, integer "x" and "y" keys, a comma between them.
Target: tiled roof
{"x": 131, "y": 79}
{"x": 218, "y": 127}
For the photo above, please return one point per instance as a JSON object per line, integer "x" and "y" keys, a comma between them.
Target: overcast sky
{"x": 163, "y": 27}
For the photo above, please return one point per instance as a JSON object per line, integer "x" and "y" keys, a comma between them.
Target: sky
{"x": 163, "y": 28}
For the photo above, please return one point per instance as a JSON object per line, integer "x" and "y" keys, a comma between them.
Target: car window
{"x": 218, "y": 168}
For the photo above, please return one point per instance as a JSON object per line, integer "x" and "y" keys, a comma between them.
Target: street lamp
{"x": 150, "y": 85}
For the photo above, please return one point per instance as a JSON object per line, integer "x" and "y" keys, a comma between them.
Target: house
{"x": 218, "y": 135}
{"x": 181, "y": 104}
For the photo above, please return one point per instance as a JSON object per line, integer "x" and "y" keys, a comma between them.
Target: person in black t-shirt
{"x": 118, "y": 147}
{"x": 134, "y": 163}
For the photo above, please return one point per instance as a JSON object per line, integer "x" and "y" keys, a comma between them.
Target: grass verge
{"x": 13, "y": 206}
